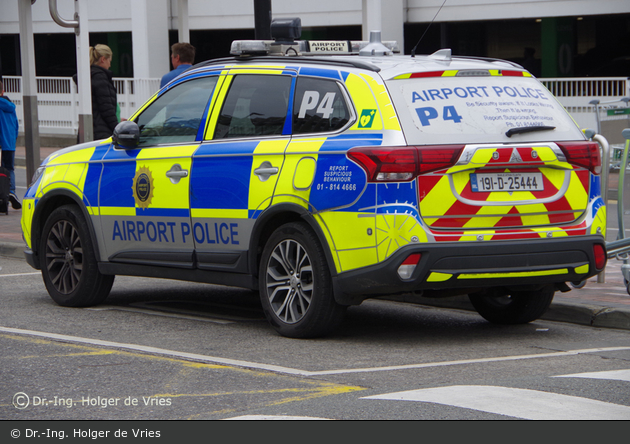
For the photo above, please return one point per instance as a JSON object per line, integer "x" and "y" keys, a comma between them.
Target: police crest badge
{"x": 143, "y": 187}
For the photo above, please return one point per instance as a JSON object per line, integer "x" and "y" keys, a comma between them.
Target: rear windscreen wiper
{"x": 528, "y": 129}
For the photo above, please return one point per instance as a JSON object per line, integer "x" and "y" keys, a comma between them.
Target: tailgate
{"x": 516, "y": 186}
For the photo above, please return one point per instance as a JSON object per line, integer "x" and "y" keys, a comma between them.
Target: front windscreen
{"x": 445, "y": 110}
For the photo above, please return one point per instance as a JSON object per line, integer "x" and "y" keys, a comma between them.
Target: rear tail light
{"x": 584, "y": 154}
{"x": 600, "y": 256}
{"x": 386, "y": 164}
{"x": 408, "y": 266}
{"x": 433, "y": 158}
{"x": 400, "y": 164}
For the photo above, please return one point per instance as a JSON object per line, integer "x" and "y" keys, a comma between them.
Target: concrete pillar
{"x": 183, "y": 29}
{"x": 372, "y": 19}
{"x": 29, "y": 89}
{"x": 385, "y": 16}
{"x": 86, "y": 120}
{"x": 151, "y": 52}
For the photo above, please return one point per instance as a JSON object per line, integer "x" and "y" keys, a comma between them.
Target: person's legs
{"x": 8, "y": 162}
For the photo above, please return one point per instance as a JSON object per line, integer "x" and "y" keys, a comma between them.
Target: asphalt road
{"x": 168, "y": 350}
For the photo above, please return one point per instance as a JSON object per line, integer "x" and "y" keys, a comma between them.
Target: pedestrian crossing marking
{"x": 617, "y": 375}
{"x": 514, "y": 402}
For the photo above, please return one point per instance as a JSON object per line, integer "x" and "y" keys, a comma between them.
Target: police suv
{"x": 323, "y": 173}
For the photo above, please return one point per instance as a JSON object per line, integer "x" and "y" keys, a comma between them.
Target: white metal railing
{"x": 57, "y": 100}
{"x": 576, "y": 93}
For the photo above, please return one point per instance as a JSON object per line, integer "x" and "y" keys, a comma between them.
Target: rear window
{"x": 319, "y": 106}
{"x": 438, "y": 110}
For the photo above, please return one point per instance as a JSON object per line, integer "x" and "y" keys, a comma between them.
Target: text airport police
{"x": 174, "y": 232}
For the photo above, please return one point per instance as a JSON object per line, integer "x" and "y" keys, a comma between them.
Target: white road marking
{"x": 275, "y": 418}
{"x": 616, "y": 375}
{"x": 515, "y": 402}
{"x": 158, "y": 313}
{"x": 19, "y": 274}
{"x": 153, "y": 350}
{"x": 288, "y": 370}
{"x": 469, "y": 361}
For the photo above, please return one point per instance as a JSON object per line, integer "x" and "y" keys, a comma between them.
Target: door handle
{"x": 176, "y": 173}
{"x": 265, "y": 170}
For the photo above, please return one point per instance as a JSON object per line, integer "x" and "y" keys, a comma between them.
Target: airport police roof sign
{"x": 329, "y": 46}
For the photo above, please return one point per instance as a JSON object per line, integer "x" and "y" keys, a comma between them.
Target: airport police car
{"x": 324, "y": 173}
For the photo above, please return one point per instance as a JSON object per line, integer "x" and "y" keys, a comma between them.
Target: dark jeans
{"x": 8, "y": 162}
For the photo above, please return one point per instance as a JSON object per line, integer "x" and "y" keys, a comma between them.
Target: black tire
{"x": 68, "y": 261}
{"x": 295, "y": 284}
{"x": 518, "y": 307}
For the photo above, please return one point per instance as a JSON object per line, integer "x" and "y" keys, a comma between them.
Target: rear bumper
{"x": 474, "y": 265}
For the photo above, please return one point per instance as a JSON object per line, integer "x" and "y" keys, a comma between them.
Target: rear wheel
{"x": 68, "y": 261}
{"x": 295, "y": 284}
{"x": 516, "y": 307}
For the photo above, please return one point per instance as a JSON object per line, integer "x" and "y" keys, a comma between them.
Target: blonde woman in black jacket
{"x": 103, "y": 92}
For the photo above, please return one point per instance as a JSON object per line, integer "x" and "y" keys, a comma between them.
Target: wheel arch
{"x": 46, "y": 205}
{"x": 273, "y": 218}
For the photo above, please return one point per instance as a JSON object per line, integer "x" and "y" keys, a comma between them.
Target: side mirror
{"x": 126, "y": 135}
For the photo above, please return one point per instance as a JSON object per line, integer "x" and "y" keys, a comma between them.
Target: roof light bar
{"x": 285, "y": 33}
{"x": 303, "y": 47}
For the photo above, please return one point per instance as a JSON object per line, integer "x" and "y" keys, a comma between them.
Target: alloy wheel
{"x": 64, "y": 256}
{"x": 289, "y": 281}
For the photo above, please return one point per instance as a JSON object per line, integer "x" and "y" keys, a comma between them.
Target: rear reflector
{"x": 409, "y": 265}
{"x": 400, "y": 164}
{"x": 584, "y": 154}
{"x": 600, "y": 256}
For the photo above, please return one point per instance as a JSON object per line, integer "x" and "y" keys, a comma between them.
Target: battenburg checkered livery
{"x": 325, "y": 173}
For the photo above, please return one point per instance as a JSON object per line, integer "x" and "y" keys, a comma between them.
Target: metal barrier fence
{"x": 576, "y": 95}
{"x": 57, "y": 100}
{"x": 58, "y": 106}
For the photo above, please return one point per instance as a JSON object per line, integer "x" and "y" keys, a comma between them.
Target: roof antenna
{"x": 413, "y": 51}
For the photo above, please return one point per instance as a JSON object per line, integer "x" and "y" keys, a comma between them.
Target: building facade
{"x": 552, "y": 38}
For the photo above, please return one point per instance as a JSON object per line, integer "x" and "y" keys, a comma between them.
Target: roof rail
{"x": 490, "y": 59}
{"x": 347, "y": 62}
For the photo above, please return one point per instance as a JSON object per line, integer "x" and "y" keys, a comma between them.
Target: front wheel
{"x": 516, "y": 307}
{"x": 68, "y": 261}
{"x": 295, "y": 284}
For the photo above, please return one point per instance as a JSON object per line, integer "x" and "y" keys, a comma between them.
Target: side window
{"x": 176, "y": 115}
{"x": 255, "y": 105}
{"x": 319, "y": 106}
